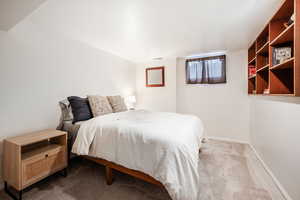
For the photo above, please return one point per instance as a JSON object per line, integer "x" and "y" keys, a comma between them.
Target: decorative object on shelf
{"x": 267, "y": 91}
{"x": 252, "y": 70}
{"x": 291, "y": 20}
{"x": 286, "y": 24}
{"x": 281, "y": 54}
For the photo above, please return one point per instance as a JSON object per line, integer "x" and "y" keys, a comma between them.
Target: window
{"x": 209, "y": 70}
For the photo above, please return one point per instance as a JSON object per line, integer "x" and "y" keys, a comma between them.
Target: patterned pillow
{"x": 66, "y": 110}
{"x": 99, "y": 105}
{"x": 117, "y": 103}
{"x": 66, "y": 113}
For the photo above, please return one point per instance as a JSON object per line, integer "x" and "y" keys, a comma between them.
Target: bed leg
{"x": 109, "y": 175}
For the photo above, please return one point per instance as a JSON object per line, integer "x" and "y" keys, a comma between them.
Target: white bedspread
{"x": 162, "y": 145}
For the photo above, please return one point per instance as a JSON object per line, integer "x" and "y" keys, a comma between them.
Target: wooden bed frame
{"x": 109, "y": 166}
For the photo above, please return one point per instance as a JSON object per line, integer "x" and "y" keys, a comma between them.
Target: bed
{"x": 158, "y": 147}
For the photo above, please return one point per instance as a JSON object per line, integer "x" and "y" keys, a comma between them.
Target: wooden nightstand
{"x": 29, "y": 158}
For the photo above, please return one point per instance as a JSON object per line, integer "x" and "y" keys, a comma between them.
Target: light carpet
{"x": 228, "y": 171}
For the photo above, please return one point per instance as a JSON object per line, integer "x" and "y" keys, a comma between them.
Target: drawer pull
{"x": 46, "y": 155}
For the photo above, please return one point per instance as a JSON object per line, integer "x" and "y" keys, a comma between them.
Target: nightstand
{"x": 30, "y": 158}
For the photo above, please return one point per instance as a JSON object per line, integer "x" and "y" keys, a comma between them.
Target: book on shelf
{"x": 281, "y": 54}
{"x": 251, "y": 70}
{"x": 291, "y": 20}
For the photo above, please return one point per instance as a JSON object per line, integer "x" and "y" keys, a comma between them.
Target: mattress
{"x": 162, "y": 145}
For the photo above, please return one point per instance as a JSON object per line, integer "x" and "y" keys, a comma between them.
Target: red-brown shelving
{"x": 271, "y": 78}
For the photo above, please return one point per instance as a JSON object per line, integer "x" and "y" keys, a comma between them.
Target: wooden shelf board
{"x": 264, "y": 49}
{"x": 30, "y": 138}
{"x": 252, "y": 45}
{"x": 263, "y": 68}
{"x": 40, "y": 150}
{"x": 252, "y": 60}
{"x": 285, "y": 36}
{"x": 286, "y": 64}
{"x": 281, "y": 79}
{"x": 251, "y": 77}
{"x": 263, "y": 94}
{"x": 289, "y": 95}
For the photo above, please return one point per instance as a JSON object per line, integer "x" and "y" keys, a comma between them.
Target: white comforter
{"x": 163, "y": 145}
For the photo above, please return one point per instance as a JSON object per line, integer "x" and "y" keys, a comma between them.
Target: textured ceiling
{"x": 142, "y": 29}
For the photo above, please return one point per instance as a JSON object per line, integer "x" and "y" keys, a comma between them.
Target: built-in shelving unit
{"x": 270, "y": 78}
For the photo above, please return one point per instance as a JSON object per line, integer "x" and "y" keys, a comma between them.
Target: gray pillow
{"x": 66, "y": 110}
{"x": 66, "y": 113}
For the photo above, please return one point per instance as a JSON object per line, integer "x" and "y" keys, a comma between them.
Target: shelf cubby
{"x": 262, "y": 61}
{"x": 262, "y": 39}
{"x": 251, "y": 53}
{"x": 282, "y": 16}
{"x": 286, "y": 36}
{"x": 266, "y": 67}
{"x": 283, "y": 76}
{"x": 282, "y": 81}
{"x": 264, "y": 49}
{"x": 286, "y": 64}
{"x": 252, "y": 85}
{"x": 262, "y": 78}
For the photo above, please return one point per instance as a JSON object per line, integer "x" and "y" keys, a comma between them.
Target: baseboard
{"x": 268, "y": 170}
{"x": 228, "y": 140}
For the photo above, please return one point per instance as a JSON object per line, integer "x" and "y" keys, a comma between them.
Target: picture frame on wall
{"x": 155, "y": 76}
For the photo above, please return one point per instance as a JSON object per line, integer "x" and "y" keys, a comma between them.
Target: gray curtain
{"x": 209, "y": 70}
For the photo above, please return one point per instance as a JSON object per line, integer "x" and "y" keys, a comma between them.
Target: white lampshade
{"x": 131, "y": 99}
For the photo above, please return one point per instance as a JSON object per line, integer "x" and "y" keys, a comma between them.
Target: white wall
{"x": 157, "y": 98}
{"x": 13, "y": 11}
{"x": 38, "y": 69}
{"x": 275, "y": 133}
{"x": 224, "y": 108}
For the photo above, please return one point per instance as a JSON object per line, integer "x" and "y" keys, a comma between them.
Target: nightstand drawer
{"x": 56, "y": 161}
{"x": 42, "y": 162}
{"x": 33, "y": 170}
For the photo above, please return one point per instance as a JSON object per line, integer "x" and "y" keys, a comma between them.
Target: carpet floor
{"x": 226, "y": 169}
